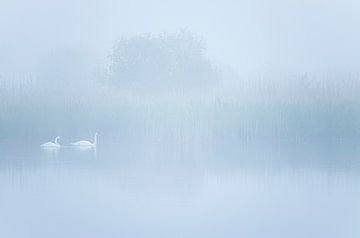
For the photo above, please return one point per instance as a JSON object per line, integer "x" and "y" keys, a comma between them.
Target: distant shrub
{"x": 163, "y": 62}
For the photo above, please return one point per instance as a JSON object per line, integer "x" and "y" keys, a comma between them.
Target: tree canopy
{"x": 163, "y": 62}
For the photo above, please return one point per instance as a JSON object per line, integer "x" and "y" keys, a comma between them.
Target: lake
{"x": 171, "y": 188}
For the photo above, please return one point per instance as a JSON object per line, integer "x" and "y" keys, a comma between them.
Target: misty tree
{"x": 164, "y": 62}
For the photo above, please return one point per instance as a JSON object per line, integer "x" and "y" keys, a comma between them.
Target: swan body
{"x": 52, "y": 144}
{"x": 85, "y": 143}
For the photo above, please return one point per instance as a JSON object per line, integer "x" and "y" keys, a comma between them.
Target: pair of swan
{"x": 82, "y": 143}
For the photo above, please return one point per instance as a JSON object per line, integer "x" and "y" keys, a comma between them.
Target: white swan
{"x": 85, "y": 143}
{"x": 52, "y": 144}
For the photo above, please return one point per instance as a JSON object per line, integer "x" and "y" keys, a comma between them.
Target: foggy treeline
{"x": 164, "y": 85}
{"x": 240, "y": 69}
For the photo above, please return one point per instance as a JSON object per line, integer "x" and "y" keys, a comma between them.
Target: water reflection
{"x": 52, "y": 151}
{"x": 249, "y": 189}
{"x": 87, "y": 150}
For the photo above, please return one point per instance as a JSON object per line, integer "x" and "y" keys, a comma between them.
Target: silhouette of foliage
{"x": 161, "y": 62}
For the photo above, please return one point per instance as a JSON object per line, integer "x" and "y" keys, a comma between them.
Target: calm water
{"x": 175, "y": 189}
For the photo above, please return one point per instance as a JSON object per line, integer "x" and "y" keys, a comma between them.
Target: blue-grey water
{"x": 172, "y": 188}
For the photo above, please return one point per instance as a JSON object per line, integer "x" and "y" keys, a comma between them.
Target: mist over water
{"x": 214, "y": 119}
{"x": 176, "y": 189}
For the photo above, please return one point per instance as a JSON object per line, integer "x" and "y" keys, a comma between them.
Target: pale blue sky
{"x": 292, "y": 35}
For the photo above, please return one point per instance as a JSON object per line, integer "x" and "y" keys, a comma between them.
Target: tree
{"x": 163, "y": 62}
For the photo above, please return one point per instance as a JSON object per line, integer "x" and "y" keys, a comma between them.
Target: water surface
{"x": 175, "y": 189}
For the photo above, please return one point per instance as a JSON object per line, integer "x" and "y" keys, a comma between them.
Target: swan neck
{"x": 95, "y": 139}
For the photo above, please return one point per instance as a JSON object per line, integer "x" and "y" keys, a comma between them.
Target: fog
{"x": 297, "y": 36}
{"x": 179, "y": 118}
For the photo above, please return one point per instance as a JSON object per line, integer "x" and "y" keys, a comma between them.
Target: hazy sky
{"x": 289, "y": 35}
